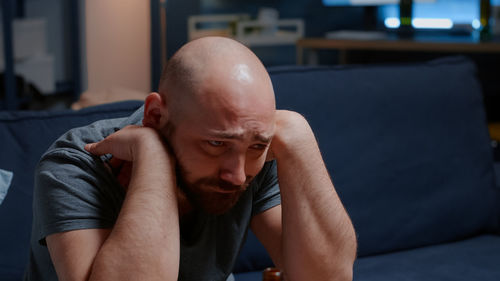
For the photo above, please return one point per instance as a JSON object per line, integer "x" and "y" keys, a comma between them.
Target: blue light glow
{"x": 392, "y": 22}
{"x": 432, "y": 23}
{"x": 458, "y": 11}
{"x": 421, "y": 23}
{"x": 357, "y": 2}
{"x": 476, "y": 24}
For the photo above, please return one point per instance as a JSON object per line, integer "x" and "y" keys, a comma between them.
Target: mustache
{"x": 181, "y": 175}
{"x": 224, "y": 185}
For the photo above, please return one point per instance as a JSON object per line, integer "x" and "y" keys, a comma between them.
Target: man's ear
{"x": 155, "y": 111}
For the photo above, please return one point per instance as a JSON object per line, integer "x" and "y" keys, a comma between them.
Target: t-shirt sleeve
{"x": 72, "y": 191}
{"x": 267, "y": 194}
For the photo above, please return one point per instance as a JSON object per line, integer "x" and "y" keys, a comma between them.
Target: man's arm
{"x": 310, "y": 236}
{"x": 144, "y": 242}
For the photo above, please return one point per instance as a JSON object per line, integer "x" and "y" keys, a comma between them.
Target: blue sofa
{"x": 407, "y": 147}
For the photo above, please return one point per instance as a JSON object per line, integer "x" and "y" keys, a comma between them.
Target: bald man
{"x": 168, "y": 193}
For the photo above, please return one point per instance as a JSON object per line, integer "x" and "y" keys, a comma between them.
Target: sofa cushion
{"x": 472, "y": 259}
{"x": 24, "y": 137}
{"x": 407, "y": 146}
{"x": 249, "y": 276}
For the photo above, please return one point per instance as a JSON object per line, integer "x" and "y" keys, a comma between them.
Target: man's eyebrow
{"x": 262, "y": 138}
{"x": 238, "y": 136}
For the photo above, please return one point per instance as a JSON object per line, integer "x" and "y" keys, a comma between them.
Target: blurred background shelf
{"x": 119, "y": 47}
{"x": 27, "y": 66}
{"x": 441, "y": 44}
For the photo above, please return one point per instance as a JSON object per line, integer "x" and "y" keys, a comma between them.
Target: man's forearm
{"x": 144, "y": 243}
{"x": 318, "y": 240}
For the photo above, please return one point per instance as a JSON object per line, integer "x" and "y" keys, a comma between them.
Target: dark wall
{"x": 177, "y": 13}
{"x": 318, "y": 20}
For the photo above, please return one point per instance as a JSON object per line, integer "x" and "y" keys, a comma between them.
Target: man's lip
{"x": 229, "y": 191}
{"x": 223, "y": 191}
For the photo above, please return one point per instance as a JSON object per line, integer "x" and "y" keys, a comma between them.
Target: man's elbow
{"x": 344, "y": 274}
{"x": 342, "y": 269}
{"x": 338, "y": 271}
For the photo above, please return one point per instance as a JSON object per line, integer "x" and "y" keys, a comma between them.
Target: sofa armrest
{"x": 496, "y": 165}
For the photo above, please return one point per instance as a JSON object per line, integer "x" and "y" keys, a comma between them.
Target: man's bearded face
{"x": 214, "y": 173}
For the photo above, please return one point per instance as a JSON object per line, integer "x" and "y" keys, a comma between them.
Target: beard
{"x": 201, "y": 192}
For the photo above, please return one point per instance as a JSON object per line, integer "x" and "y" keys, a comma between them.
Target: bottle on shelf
{"x": 405, "y": 17}
{"x": 484, "y": 19}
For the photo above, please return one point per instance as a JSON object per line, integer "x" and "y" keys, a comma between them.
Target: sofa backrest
{"x": 406, "y": 145}
{"x": 24, "y": 136}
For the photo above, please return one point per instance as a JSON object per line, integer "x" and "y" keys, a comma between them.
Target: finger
{"x": 89, "y": 146}
{"x": 97, "y": 148}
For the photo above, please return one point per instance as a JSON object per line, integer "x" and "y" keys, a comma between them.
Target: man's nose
{"x": 233, "y": 170}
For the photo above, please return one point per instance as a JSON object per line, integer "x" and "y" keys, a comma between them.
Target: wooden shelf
{"x": 407, "y": 45}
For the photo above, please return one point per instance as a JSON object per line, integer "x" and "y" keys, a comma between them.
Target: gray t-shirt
{"x": 75, "y": 190}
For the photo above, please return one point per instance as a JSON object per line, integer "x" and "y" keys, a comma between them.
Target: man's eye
{"x": 215, "y": 143}
{"x": 258, "y": 146}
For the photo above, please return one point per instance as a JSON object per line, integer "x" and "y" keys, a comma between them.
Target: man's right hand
{"x": 127, "y": 143}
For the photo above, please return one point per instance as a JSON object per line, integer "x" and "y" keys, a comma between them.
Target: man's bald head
{"x": 213, "y": 65}
{"x": 216, "y": 110}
